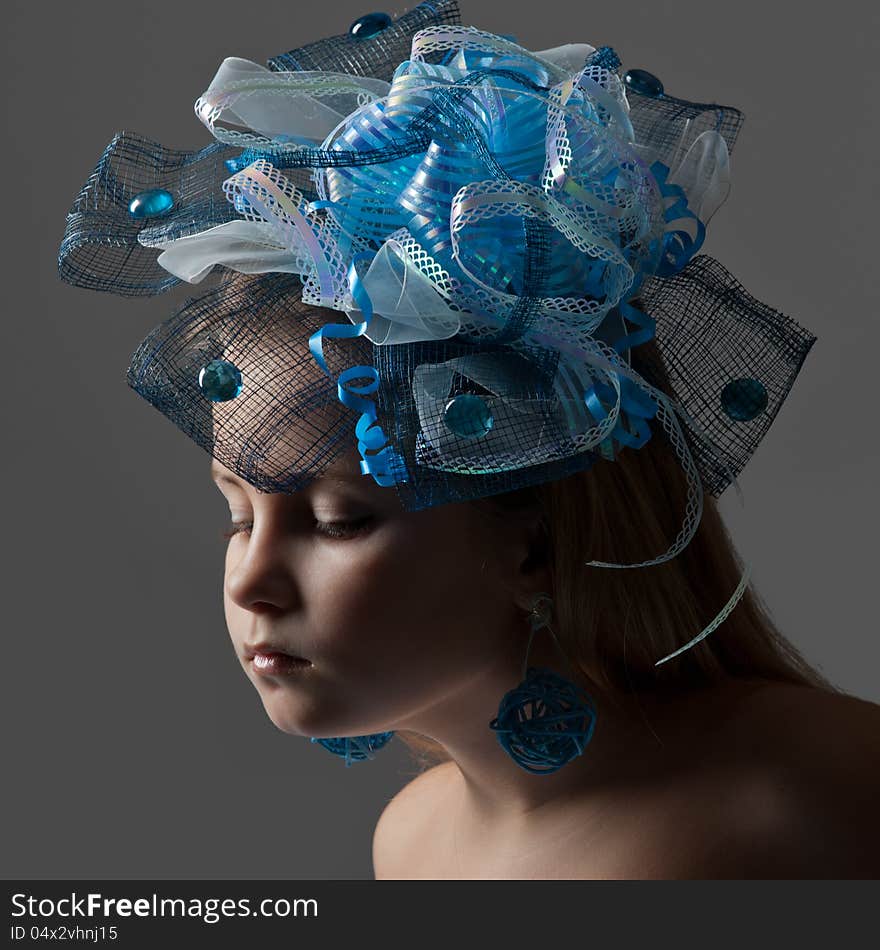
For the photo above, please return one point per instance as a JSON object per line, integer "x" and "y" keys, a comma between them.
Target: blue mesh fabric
{"x": 698, "y": 329}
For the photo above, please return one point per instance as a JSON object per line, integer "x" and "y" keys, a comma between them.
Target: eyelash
{"x": 332, "y": 529}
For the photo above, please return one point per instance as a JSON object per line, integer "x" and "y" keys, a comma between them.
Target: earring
{"x": 544, "y": 722}
{"x": 355, "y": 748}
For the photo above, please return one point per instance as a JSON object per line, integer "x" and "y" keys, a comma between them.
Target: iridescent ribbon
{"x": 290, "y": 214}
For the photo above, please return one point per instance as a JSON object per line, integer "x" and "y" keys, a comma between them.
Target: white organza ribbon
{"x": 280, "y": 107}
{"x": 704, "y": 174}
{"x": 246, "y": 246}
{"x": 570, "y": 57}
{"x": 406, "y": 306}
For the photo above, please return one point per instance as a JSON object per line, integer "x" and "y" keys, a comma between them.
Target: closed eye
{"x": 332, "y": 529}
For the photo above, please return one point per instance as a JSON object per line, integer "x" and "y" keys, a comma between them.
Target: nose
{"x": 262, "y": 578}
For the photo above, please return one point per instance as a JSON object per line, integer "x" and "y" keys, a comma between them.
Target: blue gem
{"x": 468, "y": 416}
{"x": 743, "y": 399}
{"x": 369, "y": 25}
{"x": 220, "y": 380}
{"x": 151, "y": 204}
{"x": 641, "y": 81}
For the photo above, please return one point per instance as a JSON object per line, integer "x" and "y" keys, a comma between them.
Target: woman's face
{"x": 394, "y": 611}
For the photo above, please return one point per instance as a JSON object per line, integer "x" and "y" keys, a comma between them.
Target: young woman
{"x": 556, "y": 388}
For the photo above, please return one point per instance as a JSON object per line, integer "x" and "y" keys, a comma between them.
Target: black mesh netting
{"x": 105, "y": 248}
{"x": 669, "y": 126}
{"x": 287, "y": 423}
{"x": 711, "y": 333}
{"x": 380, "y": 56}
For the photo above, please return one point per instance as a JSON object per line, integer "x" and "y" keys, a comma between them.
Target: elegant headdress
{"x": 504, "y": 226}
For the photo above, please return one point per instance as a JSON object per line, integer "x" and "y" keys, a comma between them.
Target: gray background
{"x": 133, "y": 744}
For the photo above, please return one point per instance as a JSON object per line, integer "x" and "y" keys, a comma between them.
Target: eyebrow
{"x": 338, "y": 477}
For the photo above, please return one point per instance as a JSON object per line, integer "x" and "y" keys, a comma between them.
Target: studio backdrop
{"x": 133, "y": 745}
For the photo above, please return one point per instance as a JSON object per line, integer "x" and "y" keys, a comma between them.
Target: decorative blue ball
{"x": 151, "y": 204}
{"x": 743, "y": 399}
{"x": 220, "y": 380}
{"x": 544, "y": 722}
{"x": 369, "y": 25}
{"x": 355, "y": 748}
{"x": 468, "y": 416}
{"x": 641, "y": 81}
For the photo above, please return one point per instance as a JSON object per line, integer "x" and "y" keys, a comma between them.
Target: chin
{"x": 286, "y": 721}
{"x": 298, "y": 716}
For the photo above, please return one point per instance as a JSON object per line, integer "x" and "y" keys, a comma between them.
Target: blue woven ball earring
{"x": 546, "y": 721}
{"x": 355, "y": 748}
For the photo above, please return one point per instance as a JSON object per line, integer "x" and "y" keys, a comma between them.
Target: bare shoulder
{"x": 804, "y": 801}
{"x": 828, "y": 735}
{"x": 404, "y": 823}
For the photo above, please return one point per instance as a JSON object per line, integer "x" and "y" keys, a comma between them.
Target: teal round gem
{"x": 151, "y": 204}
{"x": 743, "y": 399}
{"x": 369, "y": 25}
{"x": 468, "y": 416}
{"x": 220, "y": 380}
{"x": 643, "y": 82}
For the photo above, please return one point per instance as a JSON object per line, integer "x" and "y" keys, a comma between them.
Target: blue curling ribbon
{"x": 387, "y": 466}
{"x": 640, "y": 318}
{"x": 678, "y": 246}
{"x": 634, "y": 402}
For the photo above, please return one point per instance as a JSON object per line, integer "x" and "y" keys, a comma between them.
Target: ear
{"x": 533, "y": 562}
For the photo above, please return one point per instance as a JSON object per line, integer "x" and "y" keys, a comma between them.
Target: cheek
{"x": 408, "y": 603}
{"x": 234, "y": 614}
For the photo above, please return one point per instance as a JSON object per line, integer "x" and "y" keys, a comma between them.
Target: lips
{"x": 266, "y": 648}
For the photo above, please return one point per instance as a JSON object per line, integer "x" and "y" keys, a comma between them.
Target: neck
{"x": 637, "y": 738}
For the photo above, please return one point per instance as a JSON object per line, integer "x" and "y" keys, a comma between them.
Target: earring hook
{"x": 540, "y": 612}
